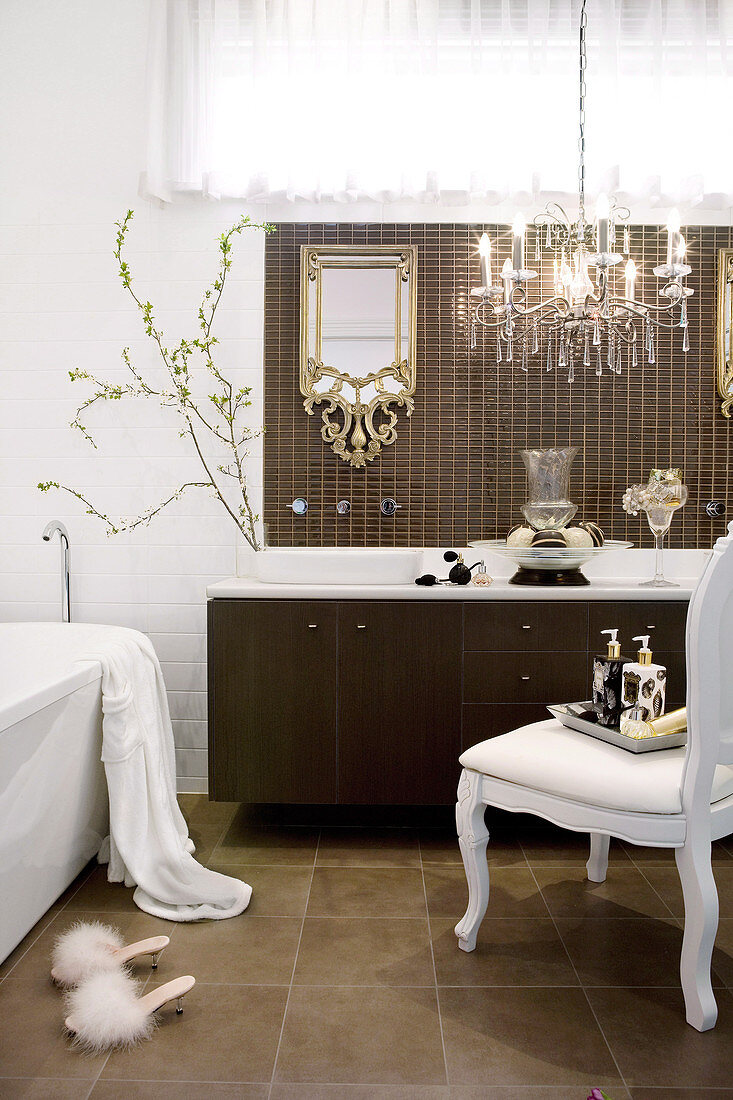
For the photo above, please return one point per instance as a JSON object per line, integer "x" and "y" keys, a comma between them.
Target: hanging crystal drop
{"x": 562, "y": 358}
{"x": 549, "y": 353}
{"x": 686, "y": 339}
{"x": 571, "y": 372}
{"x": 596, "y": 332}
{"x": 599, "y": 364}
{"x": 498, "y": 349}
{"x": 548, "y": 237}
{"x": 535, "y": 339}
{"x": 651, "y": 358}
{"x": 612, "y": 234}
{"x": 634, "y": 356}
{"x": 586, "y": 348}
{"x": 537, "y": 246}
{"x": 473, "y": 335}
{"x": 509, "y": 350}
{"x": 524, "y": 356}
{"x": 610, "y": 350}
{"x": 647, "y": 332}
{"x": 627, "y": 242}
{"x": 618, "y": 359}
{"x": 683, "y": 313}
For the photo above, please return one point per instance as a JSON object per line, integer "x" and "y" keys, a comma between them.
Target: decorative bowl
{"x": 545, "y": 565}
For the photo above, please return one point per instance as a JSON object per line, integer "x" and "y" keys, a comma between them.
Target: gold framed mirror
{"x": 724, "y": 330}
{"x": 357, "y": 343}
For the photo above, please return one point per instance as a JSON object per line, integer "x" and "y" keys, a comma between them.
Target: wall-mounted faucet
{"x": 389, "y": 506}
{"x": 48, "y": 532}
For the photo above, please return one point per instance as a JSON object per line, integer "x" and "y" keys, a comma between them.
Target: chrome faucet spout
{"x": 52, "y": 528}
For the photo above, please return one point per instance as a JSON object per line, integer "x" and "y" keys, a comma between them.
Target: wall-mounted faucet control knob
{"x": 299, "y": 506}
{"x": 715, "y": 508}
{"x": 389, "y": 506}
{"x": 343, "y": 507}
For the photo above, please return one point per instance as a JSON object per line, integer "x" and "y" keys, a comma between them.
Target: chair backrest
{"x": 710, "y": 673}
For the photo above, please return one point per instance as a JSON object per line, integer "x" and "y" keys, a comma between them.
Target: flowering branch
{"x": 220, "y": 420}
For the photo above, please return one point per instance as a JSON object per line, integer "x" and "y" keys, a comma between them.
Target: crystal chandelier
{"x": 585, "y": 322}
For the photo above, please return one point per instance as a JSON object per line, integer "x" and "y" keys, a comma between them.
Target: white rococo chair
{"x": 677, "y": 798}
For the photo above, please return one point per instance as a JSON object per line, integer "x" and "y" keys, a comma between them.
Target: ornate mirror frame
{"x": 724, "y": 330}
{"x": 357, "y": 440}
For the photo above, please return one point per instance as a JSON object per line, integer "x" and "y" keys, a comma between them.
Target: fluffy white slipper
{"x": 106, "y": 1012}
{"x": 89, "y": 947}
{"x": 84, "y": 949}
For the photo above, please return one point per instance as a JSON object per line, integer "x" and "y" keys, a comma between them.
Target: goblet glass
{"x": 659, "y": 512}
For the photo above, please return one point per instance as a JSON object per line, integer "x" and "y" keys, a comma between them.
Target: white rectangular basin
{"x": 334, "y": 565}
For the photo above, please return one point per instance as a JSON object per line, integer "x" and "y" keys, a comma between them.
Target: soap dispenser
{"x": 644, "y": 686}
{"x": 608, "y": 681}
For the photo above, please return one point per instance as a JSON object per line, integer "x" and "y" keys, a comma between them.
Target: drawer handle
{"x": 361, "y": 626}
{"x": 651, "y": 626}
{"x": 526, "y": 626}
{"x": 524, "y": 677}
{"x": 312, "y": 626}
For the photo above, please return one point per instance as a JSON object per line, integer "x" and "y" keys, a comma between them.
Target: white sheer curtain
{"x": 439, "y": 100}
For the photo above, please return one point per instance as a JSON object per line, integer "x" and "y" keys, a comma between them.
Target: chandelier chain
{"x": 581, "y": 120}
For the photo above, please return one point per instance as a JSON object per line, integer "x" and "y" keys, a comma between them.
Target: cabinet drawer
{"x": 524, "y": 677}
{"x": 500, "y": 625}
{"x": 665, "y": 620}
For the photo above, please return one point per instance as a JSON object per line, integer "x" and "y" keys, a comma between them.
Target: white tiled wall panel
{"x": 72, "y": 130}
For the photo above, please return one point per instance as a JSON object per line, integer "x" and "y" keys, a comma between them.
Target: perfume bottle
{"x": 644, "y": 687}
{"x": 608, "y": 681}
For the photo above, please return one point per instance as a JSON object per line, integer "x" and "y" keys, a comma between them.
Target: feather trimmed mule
{"x": 105, "y": 1011}
{"x": 90, "y": 947}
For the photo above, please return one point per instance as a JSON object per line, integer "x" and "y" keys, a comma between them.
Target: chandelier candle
{"x": 630, "y": 273}
{"x": 602, "y": 212}
{"x": 673, "y": 237}
{"x": 484, "y": 249}
{"x": 518, "y": 243}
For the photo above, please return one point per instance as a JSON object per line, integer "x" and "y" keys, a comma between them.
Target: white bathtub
{"x": 53, "y": 794}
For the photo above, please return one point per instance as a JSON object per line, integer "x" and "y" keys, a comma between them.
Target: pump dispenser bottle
{"x": 644, "y": 685}
{"x": 608, "y": 682}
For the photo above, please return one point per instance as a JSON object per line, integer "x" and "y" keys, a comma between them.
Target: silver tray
{"x": 612, "y": 734}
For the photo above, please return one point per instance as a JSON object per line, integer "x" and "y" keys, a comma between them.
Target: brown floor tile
{"x": 608, "y": 951}
{"x": 227, "y": 1033}
{"x": 276, "y": 891}
{"x": 681, "y": 1094}
{"x": 525, "y": 1037}
{"x": 520, "y": 1092}
{"x": 176, "y": 1090}
{"x": 368, "y": 848}
{"x": 360, "y": 1092}
{"x": 26, "y": 943}
{"x": 370, "y": 1036}
{"x": 33, "y": 1039}
{"x": 250, "y": 844}
{"x": 513, "y": 892}
{"x": 653, "y": 1044}
{"x": 723, "y": 953}
{"x": 625, "y": 893}
{"x": 366, "y": 892}
{"x": 353, "y": 951}
{"x": 519, "y": 951}
{"x": 206, "y": 839}
{"x": 136, "y": 925}
{"x": 441, "y": 846}
{"x": 197, "y": 809}
{"x": 666, "y": 881}
{"x": 721, "y": 852}
{"x": 302, "y": 1091}
{"x": 44, "y": 1088}
{"x": 99, "y": 896}
{"x": 242, "y": 950}
{"x": 549, "y": 844}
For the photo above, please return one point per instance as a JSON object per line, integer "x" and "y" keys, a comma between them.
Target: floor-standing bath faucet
{"x": 50, "y": 530}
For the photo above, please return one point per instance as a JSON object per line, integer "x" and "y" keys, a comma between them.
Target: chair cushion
{"x": 548, "y": 756}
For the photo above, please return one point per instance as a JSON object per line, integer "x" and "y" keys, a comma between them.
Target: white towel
{"x": 149, "y": 844}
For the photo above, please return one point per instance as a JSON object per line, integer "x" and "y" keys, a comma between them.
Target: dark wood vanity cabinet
{"x": 371, "y": 702}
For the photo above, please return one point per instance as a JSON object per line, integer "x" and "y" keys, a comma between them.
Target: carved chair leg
{"x": 473, "y": 836}
{"x": 701, "y": 924}
{"x": 597, "y": 865}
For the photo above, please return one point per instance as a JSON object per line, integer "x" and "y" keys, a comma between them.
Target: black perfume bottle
{"x": 608, "y": 682}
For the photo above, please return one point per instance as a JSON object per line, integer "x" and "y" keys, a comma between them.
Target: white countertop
{"x": 616, "y": 578}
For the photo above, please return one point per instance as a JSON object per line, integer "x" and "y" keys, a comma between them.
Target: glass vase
{"x": 548, "y": 474}
{"x": 659, "y": 517}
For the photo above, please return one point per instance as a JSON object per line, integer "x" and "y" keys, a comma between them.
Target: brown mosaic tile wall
{"x": 455, "y": 468}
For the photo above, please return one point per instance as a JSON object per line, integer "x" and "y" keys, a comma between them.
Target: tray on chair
{"x": 580, "y": 717}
